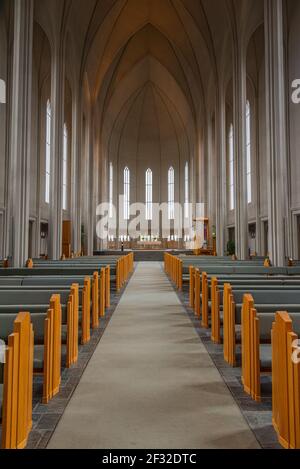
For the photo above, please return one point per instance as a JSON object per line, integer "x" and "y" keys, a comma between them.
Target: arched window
{"x": 186, "y": 191}
{"x": 231, "y": 167}
{"x": 2, "y": 92}
{"x": 149, "y": 195}
{"x": 126, "y": 194}
{"x": 111, "y": 189}
{"x": 65, "y": 168}
{"x": 248, "y": 149}
{"x": 171, "y": 194}
{"x": 48, "y": 153}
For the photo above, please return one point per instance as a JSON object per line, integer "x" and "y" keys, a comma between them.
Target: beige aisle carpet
{"x": 151, "y": 383}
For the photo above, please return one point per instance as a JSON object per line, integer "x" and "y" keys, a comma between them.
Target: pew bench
{"x": 16, "y": 381}
{"x": 17, "y": 282}
{"x": 286, "y": 379}
{"x": 120, "y": 267}
{"x": 256, "y": 344}
{"x": 242, "y": 272}
{"x": 37, "y": 303}
{"x": 115, "y": 281}
{"x": 266, "y": 301}
{"x": 75, "y": 303}
{"x": 100, "y": 285}
{"x": 217, "y": 294}
{"x": 242, "y": 279}
{"x": 100, "y": 289}
{"x": 47, "y": 327}
{"x": 100, "y": 281}
{"x": 204, "y": 291}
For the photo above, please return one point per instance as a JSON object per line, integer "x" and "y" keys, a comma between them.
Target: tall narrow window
{"x": 126, "y": 194}
{"x": 171, "y": 194}
{"x": 149, "y": 195}
{"x": 111, "y": 189}
{"x": 65, "y": 168}
{"x": 186, "y": 190}
{"x": 231, "y": 168}
{"x": 48, "y": 153}
{"x": 2, "y": 92}
{"x": 248, "y": 149}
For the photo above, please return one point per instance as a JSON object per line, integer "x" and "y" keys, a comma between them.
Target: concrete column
{"x": 211, "y": 169}
{"x": 76, "y": 173}
{"x": 90, "y": 192}
{"x": 241, "y": 206}
{"x": 221, "y": 174}
{"x": 96, "y": 176}
{"x": 276, "y": 112}
{"x": 103, "y": 172}
{"x": 199, "y": 184}
{"x": 57, "y": 124}
{"x": 20, "y": 136}
{"x": 258, "y": 155}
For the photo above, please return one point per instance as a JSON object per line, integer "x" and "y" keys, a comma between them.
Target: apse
{"x": 147, "y": 135}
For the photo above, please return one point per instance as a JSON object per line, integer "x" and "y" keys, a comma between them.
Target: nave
{"x": 151, "y": 383}
{"x": 197, "y": 352}
{"x": 134, "y": 132}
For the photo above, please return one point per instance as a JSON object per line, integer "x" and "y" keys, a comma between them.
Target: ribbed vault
{"x": 172, "y": 47}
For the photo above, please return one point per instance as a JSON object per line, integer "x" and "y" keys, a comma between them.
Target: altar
{"x": 200, "y": 240}
{"x": 149, "y": 245}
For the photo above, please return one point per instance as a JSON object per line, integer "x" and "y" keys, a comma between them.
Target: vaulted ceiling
{"x": 128, "y": 44}
{"x": 171, "y": 43}
{"x": 181, "y": 47}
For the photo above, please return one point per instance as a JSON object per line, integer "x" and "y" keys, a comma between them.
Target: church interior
{"x": 149, "y": 224}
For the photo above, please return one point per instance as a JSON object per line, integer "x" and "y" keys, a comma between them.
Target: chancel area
{"x": 149, "y": 224}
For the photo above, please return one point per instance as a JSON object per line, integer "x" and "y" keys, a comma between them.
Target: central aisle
{"x": 151, "y": 383}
